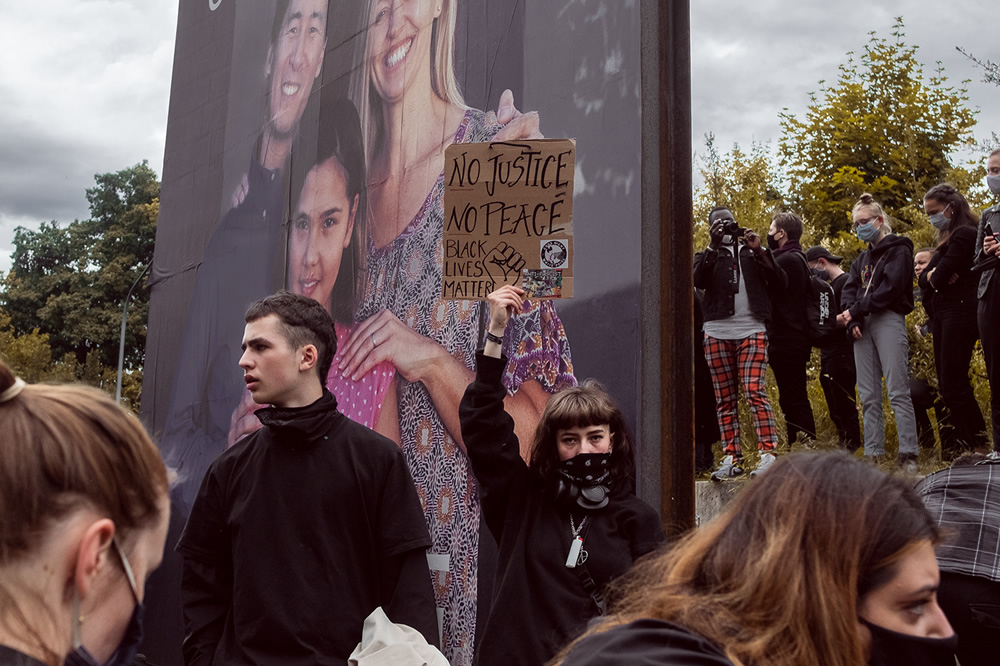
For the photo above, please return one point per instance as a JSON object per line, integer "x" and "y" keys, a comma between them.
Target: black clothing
{"x": 789, "y": 347}
{"x": 988, "y": 317}
{"x": 925, "y": 397}
{"x": 881, "y": 280}
{"x": 646, "y": 643}
{"x": 298, "y": 532}
{"x": 838, "y": 377}
{"x": 953, "y": 257}
{"x": 11, "y": 657}
{"x": 539, "y": 603}
{"x": 972, "y": 606}
{"x": 955, "y": 333}
{"x": 788, "y": 322}
{"x": 718, "y": 274}
{"x": 841, "y": 341}
{"x": 788, "y": 362}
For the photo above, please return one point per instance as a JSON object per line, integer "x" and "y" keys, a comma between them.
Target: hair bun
{"x": 10, "y": 384}
{"x": 866, "y": 199}
{"x": 7, "y": 378}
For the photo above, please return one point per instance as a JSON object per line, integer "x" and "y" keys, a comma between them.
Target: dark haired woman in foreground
{"x": 83, "y": 520}
{"x": 823, "y": 561}
{"x": 567, "y": 522}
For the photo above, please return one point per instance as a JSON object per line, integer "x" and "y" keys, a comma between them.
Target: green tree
{"x": 70, "y": 282}
{"x": 883, "y": 128}
{"x": 745, "y": 182}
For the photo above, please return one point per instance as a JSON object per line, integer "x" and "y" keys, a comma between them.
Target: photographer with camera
{"x": 738, "y": 276}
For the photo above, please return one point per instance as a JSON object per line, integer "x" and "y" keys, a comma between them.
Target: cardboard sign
{"x": 508, "y": 218}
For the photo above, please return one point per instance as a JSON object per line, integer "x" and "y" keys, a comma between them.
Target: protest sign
{"x": 508, "y": 218}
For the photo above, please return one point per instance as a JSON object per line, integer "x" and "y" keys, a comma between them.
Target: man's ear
{"x": 319, "y": 65}
{"x": 309, "y": 358}
{"x": 92, "y": 553}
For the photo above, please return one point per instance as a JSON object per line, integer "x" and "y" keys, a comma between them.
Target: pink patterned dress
{"x": 405, "y": 278}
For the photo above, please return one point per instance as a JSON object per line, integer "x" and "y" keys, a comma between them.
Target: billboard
{"x": 306, "y": 146}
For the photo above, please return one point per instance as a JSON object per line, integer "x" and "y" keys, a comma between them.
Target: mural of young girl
{"x": 324, "y": 258}
{"x": 411, "y": 109}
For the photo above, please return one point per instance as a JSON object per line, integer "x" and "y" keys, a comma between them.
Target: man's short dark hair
{"x": 718, "y": 208}
{"x": 790, "y": 223}
{"x": 303, "y": 322}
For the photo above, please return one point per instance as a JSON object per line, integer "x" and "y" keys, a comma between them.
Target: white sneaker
{"x": 729, "y": 467}
{"x": 766, "y": 460}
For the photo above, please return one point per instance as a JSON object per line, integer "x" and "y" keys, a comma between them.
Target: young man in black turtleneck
{"x": 303, "y": 528}
{"x": 789, "y": 346}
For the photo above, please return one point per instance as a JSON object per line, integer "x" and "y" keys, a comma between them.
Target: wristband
{"x": 494, "y": 338}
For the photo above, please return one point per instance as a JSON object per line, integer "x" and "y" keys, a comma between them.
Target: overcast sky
{"x": 85, "y": 83}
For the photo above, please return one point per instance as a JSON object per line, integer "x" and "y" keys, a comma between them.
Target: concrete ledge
{"x": 711, "y": 498}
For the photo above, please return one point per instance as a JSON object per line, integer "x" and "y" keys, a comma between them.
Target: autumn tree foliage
{"x": 883, "y": 127}
{"x": 69, "y": 282}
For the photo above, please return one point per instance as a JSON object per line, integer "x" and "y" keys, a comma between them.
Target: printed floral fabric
{"x": 405, "y": 278}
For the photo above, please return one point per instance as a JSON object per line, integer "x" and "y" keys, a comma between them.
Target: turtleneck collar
{"x": 787, "y": 247}
{"x": 301, "y": 424}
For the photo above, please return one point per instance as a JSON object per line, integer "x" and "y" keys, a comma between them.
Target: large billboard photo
{"x": 306, "y": 149}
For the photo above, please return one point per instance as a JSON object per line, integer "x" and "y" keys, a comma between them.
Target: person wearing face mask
{"x": 837, "y": 374}
{"x": 789, "y": 347}
{"x": 825, "y": 561}
{"x": 738, "y": 278}
{"x": 876, "y": 299}
{"x": 988, "y": 254}
{"x": 950, "y": 285}
{"x": 83, "y": 520}
{"x": 567, "y": 522}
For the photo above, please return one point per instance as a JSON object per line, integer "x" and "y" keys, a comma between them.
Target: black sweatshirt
{"x": 881, "y": 280}
{"x": 298, "y": 533}
{"x": 539, "y": 604}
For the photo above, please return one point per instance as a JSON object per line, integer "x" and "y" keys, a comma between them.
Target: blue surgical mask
{"x": 993, "y": 182}
{"x": 124, "y": 654}
{"x": 939, "y": 220}
{"x": 867, "y": 232}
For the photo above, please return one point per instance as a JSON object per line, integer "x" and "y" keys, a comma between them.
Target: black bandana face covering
{"x": 584, "y": 481}
{"x": 891, "y": 647}
{"x": 124, "y": 654}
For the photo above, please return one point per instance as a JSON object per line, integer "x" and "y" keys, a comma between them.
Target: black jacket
{"x": 954, "y": 257}
{"x": 991, "y": 216}
{"x": 788, "y": 322}
{"x": 881, "y": 280}
{"x": 539, "y": 604}
{"x": 717, "y": 273}
{"x": 299, "y": 532}
{"x": 646, "y": 642}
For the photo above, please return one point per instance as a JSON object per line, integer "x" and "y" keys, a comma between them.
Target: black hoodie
{"x": 881, "y": 280}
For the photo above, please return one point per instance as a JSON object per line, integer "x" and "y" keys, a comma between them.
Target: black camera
{"x": 730, "y": 227}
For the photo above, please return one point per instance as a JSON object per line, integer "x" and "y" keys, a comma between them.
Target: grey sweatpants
{"x": 883, "y": 350}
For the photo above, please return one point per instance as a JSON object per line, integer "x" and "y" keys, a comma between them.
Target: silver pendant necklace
{"x": 577, "y": 555}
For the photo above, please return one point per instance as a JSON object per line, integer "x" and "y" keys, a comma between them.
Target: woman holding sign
{"x": 411, "y": 109}
{"x": 567, "y": 523}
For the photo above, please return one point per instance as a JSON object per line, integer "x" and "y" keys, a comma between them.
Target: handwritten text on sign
{"x": 508, "y": 218}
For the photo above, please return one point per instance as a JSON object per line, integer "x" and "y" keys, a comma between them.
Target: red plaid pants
{"x": 742, "y": 360}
